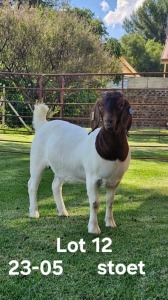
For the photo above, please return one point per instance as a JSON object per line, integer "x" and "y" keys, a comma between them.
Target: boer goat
{"x": 98, "y": 159}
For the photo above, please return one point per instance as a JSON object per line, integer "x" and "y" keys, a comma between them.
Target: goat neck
{"x": 112, "y": 145}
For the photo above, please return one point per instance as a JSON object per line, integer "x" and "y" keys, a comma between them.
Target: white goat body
{"x": 71, "y": 154}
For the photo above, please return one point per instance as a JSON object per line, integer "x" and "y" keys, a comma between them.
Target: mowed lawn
{"x": 140, "y": 212}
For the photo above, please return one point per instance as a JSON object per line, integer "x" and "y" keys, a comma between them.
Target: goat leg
{"x": 109, "y": 219}
{"x": 92, "y": 191}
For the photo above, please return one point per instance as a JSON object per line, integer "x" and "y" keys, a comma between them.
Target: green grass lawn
{"x": 140, "y": 212}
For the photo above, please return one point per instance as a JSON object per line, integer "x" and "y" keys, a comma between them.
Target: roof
{"x": 127, "y": 68}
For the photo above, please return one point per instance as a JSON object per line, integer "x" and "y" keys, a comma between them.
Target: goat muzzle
{"x": 109, "y": 124}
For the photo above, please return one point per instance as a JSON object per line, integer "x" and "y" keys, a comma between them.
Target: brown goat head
{"x": 114, "y": 111}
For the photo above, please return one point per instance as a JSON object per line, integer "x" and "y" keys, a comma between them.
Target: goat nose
{"x": 110, "y": 122}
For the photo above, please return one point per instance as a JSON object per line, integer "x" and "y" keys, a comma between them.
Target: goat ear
{"x": 129, "y": 123}
{"x": 95, "y": 116}
{"x": 126, "y": 117}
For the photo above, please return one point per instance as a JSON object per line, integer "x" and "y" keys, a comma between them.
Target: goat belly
{"x": 63, "y": 151}
{"x": 66, "y": 167}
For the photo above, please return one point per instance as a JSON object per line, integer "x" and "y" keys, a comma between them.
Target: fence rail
{"x": 63, "y": 93}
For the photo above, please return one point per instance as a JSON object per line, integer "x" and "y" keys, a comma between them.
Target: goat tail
{"x": 39, "y": 115}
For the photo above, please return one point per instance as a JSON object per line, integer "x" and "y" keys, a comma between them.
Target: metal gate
{"x": 71, "y": 97}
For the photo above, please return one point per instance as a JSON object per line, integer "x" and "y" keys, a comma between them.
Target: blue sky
{"x": 112, "y": 12}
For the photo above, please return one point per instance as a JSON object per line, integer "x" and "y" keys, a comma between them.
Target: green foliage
{"x": 80, "y": 110}
{"x": 149, "y": 20}
{"x": 146, "y": 34}
{"x": 88, "y": 17}
{"x": 17, "y": 100}
{"x": 43, "y": 3}
{"x": 143, "y": 55}
{"x": 113, "y": 46}
{"x": 154, "y": 50}
{"x": 134, "y": 51}
{"x": 46, "y": 41}
{"x": 42, "y": 40}
{"x": 49, "y": 41}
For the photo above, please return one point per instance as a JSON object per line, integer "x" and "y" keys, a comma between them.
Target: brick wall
{"x": 150, "y": 107}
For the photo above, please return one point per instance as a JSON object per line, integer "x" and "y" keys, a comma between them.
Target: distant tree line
{"x": 141, "y": 46}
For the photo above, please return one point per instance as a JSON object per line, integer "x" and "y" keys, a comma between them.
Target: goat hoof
{"x": 94, "y": 229}
{"x": 63, "y": 214}
{"x": 111, "y": 224}
{"x": 34, "y": 214}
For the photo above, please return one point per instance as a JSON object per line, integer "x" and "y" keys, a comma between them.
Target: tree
{"x": 149, "y": 20}
{"x": 41, "y": 40}
{"x": 37, "y": 3}
{"x": 154, "y": 50}
{"x": 143, "y": 55}
{"x": 88, "y": 17}
{"x": 134, "y": 51}
{"x": 113, "y": 47}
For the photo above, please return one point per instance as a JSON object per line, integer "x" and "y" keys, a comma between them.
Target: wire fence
{"x": 71, "y": 97}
